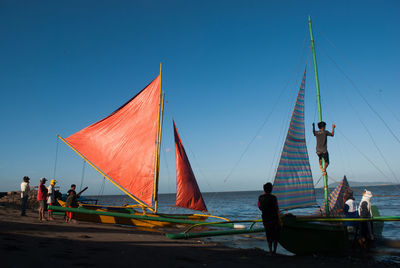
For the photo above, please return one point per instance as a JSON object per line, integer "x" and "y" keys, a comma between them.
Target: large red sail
{"x": 188, "y": 194}
{"x": 123, "y": 145}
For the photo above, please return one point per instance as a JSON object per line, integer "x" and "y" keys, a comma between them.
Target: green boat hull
{"x": 320, "y": 237}
{"x": 311, "y": 237}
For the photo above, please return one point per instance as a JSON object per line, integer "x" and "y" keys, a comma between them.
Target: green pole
{"x": 326, "y": 194}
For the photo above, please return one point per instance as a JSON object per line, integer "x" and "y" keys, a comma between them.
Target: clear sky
{"x": 228, "y": 68}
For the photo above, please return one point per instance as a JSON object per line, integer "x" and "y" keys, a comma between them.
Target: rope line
{"x": 56, "y": 159}
{"x": 362, "y": 96}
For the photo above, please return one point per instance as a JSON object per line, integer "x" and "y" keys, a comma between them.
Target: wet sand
{"x": 26, "y": 242}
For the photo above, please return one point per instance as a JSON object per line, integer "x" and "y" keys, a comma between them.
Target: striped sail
{"x": 336, "y": 201}
{"x": 293, "y": 185}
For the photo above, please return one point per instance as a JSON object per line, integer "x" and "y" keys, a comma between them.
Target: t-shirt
{"x": 42, "y": 192}
{"x": 71, "y": 201}
{"x": 322, "y": 140}
{"x": 24, "y": 189}
{"x": 268, "y": 204}
{"x": 52, "y": 197}
{"x": 352, "y": 206}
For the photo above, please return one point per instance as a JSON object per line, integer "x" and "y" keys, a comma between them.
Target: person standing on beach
{"x": 268, "y": 204}
{"x": 350, "y": 210}
{"x": 322, "y": 143}
{"x": 51, "y": 198}
{"x": 41, "y": 197}
{"x": 366, "y": 227}
{"x": 24, "y": 194}
{"x": 71, "y": 202}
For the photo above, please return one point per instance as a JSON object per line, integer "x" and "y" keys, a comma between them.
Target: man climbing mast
{"x": 322, "y": 144}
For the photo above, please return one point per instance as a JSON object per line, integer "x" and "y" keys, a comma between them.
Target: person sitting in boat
{"x": 366, "y": 227}
{"x": 268, "y": 204}
{"x": 350, "y": 210}
{"x": 322, "y": 150}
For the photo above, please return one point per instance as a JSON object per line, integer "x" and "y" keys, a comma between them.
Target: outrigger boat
{"x": 323, "y": 231}
{"x": 125, "y": 147}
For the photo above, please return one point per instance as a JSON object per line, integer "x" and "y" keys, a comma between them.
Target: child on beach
{"x": 71, "y": 202}
{"x": 268, "y": 204}
{"x": 322, "y": 142}
{"x": 51, "y": 198}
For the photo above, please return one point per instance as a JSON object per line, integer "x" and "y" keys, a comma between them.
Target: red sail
{"x": 188, "y": 194}
{"x": 123, "y": 145}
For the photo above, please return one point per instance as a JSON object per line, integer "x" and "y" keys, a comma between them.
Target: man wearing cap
{"x": 24, "y": 194}
{"x": 51, "y": 198}
{"x": 41, "y": 197}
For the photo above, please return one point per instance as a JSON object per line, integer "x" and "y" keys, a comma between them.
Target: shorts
{"x": 69, "y": 214}
{"x": 272, "y": 230}
{"x": 325, "y": 156}
{"x": 42, "y": 204}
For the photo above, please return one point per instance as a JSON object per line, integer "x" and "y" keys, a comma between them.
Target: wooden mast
{"x": 158, "y": 145}
{"x": 326, "y": 194}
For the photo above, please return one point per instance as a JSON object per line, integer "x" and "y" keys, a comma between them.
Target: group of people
{"x": 46, "y": 196}
{"x": 268, "y": 203}
{"x": 350, "y": 209}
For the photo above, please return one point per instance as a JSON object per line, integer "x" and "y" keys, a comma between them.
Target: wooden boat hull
{"x": 309, "y": 237}
{"x": 128, "y": 221}
{"x": 320, "y": 237}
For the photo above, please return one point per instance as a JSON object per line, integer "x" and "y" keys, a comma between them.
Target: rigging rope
{"x": 360, "y": 94}
{"x": 365, "y": 126}
{"x": 101, "y": 191}
{"x": 269, "y": 115}
{"x": 83, "y": 175}
{"x": 56, "y": 159}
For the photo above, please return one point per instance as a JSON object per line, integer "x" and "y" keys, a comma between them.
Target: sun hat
{"x": 43, "y": 180}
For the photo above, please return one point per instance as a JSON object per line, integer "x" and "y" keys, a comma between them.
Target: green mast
{"x": 326, "y": 194}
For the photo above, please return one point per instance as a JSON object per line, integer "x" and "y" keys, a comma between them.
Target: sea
{"x": 243, "y": 206}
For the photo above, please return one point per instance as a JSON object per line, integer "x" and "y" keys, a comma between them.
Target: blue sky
{"x": 228, "y": 66}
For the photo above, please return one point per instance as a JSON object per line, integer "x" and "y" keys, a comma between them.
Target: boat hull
{"x": 309, "y": 237}
{"x": 301, "y": 237}
{"x": 129, "y": 221}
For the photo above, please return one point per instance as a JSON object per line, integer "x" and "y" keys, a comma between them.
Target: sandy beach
{"x": 27, "y": 242}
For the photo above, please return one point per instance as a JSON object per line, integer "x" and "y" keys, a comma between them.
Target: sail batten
{"x": 123, "y": 145}
{"x": 293, "y": 184}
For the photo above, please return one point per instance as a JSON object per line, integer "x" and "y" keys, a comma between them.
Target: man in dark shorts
{"x": 268, "y": 204}
{"x": 322, "y": 144}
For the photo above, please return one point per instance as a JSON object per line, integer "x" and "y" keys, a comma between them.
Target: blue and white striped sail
{"x": 293, "y": 185}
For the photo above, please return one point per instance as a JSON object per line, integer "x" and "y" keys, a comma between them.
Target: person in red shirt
{"x": 41, "y": 198}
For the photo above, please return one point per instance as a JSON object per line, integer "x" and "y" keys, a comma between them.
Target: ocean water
{"x": 243, "y": 206}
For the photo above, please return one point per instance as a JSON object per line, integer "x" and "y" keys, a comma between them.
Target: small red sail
{"x": 123, "y": 145}
{"x": 188, "y": 194}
